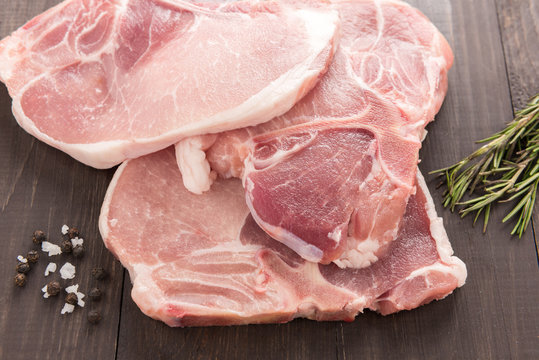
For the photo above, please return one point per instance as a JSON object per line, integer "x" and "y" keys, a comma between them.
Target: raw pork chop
{"x": 331, "y": 178}
{"x": 106, "y": 80}
{"x": 202, "y": 260}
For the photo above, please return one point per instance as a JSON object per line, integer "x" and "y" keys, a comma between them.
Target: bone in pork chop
{"x": 331, "y": 178}
{"x": 106, "y": 80}
{"x": 202, "y": 260}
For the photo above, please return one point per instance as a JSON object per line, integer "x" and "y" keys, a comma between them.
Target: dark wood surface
{"x": 495, "y": 315}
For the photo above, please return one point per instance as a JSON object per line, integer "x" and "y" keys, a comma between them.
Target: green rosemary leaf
{"x": 487, "y": 215}
{"x": 516, "y": 196}
{"x": 499, "y": 184}
{"x": 477, "y": 215}
{"x": 526, "y": 182}
{"x": 520, "y": 205}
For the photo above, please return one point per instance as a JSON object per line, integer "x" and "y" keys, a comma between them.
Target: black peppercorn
{"x": 38, "y": 237}
{"x": 23, "y": 267}
{"x": 95, "y": 294}
{"x": 66, "y": 246}
{"x": 32, "y": 256}
{"x": 72, "y": 298}
{"x": 20, "y": 280}
{"x": 94, "y": 316}
{"x": 53, "y": 288}
{"x": 99, "y": 273}
{"x": 73, "y": 233}
{"x": 78, "y": 251}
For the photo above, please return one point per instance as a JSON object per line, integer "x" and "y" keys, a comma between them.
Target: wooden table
{"x": 495, "y": 315}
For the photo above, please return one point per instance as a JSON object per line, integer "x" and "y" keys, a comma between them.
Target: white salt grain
{"x": 44, "y": 289}
{"x": 22, "y": 259}
{"x": 50, "y": 248}
{"x": 68, "y": 308}
{"x": 72, "y": 288}
{"x": 50, "y": 268}
{"x": 67, "y": 271}
{"x": 65, "y": 229}
{"x": 77, "y": 241}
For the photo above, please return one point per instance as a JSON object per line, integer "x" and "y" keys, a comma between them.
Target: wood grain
{"x": 519, "y": 26}
{"x": 495, "y": 315}
{"x": 42, "y": 188}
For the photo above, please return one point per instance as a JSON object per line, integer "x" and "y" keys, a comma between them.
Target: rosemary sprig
{"x": 505, "y": 168}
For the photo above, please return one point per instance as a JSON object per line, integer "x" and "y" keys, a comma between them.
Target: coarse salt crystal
{"x": 22, "y": 259}
{"x": 72, "y": 288}
{"x": 65, "y": 229}
{"x": 44, "y": 289}
{"x": 50, "y": 248}
{"x": 77, "y": 241}
{"x": 50, "y": 268}
{"x": 67, "y": 271}
{"x": 68, "y": 308}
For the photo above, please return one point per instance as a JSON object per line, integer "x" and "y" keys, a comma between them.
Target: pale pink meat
{"x": 331, "y": 178}
{"x": 202, "y": 260}
{"x": 106, "y": 80}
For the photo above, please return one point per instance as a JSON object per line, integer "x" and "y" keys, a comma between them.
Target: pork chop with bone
{"x": 331, "y": 178}
{"x": 198, "y": 260}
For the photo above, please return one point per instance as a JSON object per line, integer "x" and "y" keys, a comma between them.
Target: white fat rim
{"x": 438, "y": 233}
{"x": 282, "y": 92}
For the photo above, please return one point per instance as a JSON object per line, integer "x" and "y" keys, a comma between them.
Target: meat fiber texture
{"x": 107, "y": 80}
{"x": 331, "y": 178}
{"x": 198, "y": 260}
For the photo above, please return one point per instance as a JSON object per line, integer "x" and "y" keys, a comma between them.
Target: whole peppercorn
{"x": 38, "y": 237}
{"x": 66, "y": 246}
{"x": 94, "y": 316}
{"x": 53, "y": 288}
{"x": 32, "y": 256}
{"x": 20, "y": 280}
{"x": 73, "y": 232}
{"x": 95, "y": 294}
{"x": 72, "y": 298}
{"x": 99, "y": 273}
{"x": 78, "y": 251}
{"x": 22, "y": 267}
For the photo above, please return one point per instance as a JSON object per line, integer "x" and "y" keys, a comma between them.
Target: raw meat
{"x": 331, "y": 178}
{"x": 106, "y": 80}
{"x": 201, "y": 259}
